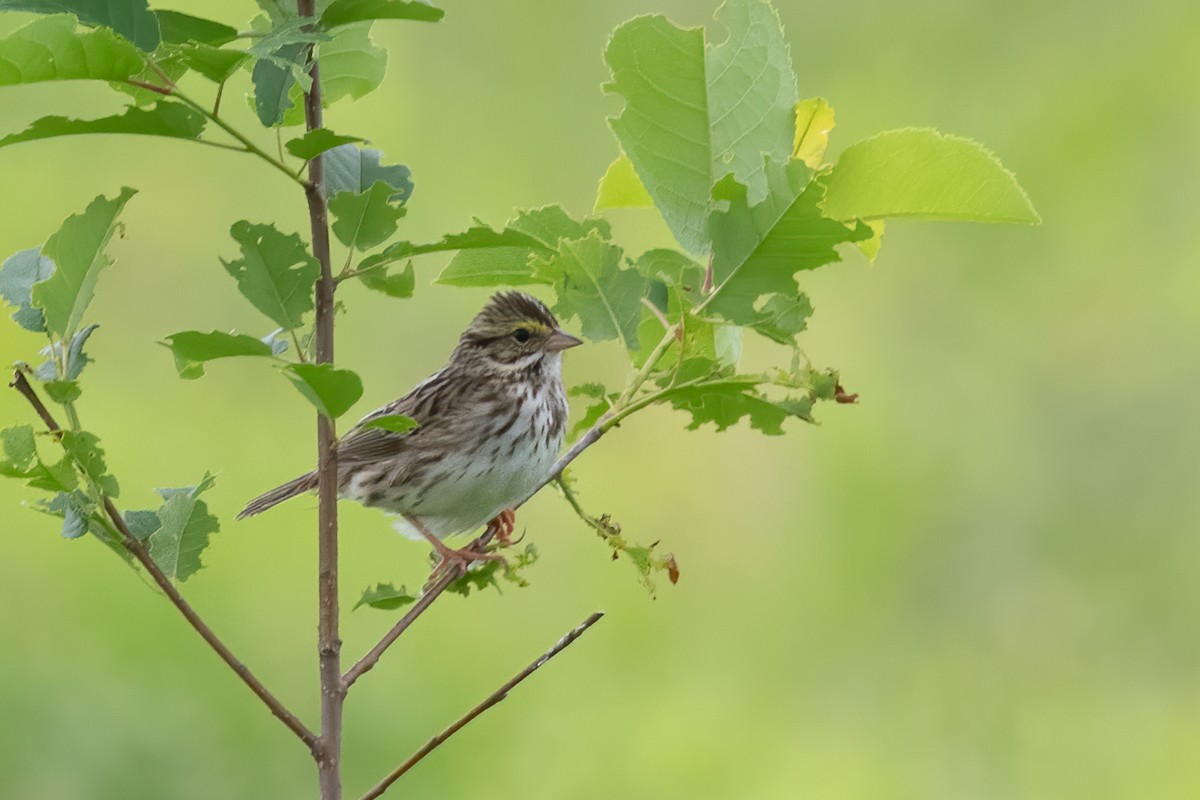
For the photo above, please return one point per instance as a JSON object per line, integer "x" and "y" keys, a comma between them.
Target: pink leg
{"x": 451, "y": 559}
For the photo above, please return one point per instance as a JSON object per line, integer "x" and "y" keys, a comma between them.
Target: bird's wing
{"x": 365, "y": 445}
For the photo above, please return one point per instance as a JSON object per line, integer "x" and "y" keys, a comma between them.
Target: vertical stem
{"x": 329, "y": 753}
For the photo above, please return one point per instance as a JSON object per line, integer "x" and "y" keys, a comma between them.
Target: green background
{"x": 981, "y": 582}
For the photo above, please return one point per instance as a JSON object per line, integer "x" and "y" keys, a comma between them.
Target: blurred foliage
{"x": 989, "y": 563}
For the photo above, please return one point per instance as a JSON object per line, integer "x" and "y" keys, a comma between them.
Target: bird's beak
{"x": 561, "y": 341}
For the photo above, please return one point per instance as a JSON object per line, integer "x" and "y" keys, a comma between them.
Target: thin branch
{"x": 139, "y": 551}
{"x": 491, "y": 700}
{"x": 430, "y": 593}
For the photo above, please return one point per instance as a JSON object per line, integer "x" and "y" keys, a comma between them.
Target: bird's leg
{"x": 453, "y": 560}
{"x": 505, "y": 521}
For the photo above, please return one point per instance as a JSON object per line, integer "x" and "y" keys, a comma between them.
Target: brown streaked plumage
{"x": 491, "y": 423}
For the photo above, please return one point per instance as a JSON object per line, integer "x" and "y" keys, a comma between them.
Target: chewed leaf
{"x": 53, "y": 49}
{"x": 172, "y": 120}
{"x": 386, "y": 597}
{"x": 814, "y": 121}
{"x": 331, "y": 391}
{"x": 592, "y": 285}
{"x": 362, "y": 221}
{"x": 185, "y": 526}
{"x": 132, "y": 19}
{"x": 398, "y": 284}
{"x": 315, "y": 142}
{"x": 923, "y": 173}
{"x": 350, "y": 168}
{"x": 276, "y": 272}
{"x": 85, "y": 448}
{"x": 193, "y": 348}
{"x": 18, "y": 275}
{"x": 77, "y": 250}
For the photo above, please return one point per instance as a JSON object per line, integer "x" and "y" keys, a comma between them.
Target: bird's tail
{"x": 277, "y": 495}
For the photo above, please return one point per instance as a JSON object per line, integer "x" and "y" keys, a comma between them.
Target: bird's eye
{"x": 521, "y": 335}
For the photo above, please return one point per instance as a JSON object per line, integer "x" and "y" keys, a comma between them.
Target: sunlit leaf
{"x": 923, "y": 173}
{"x": 620, "y": 187}
{"x": 53, "y": 49}
{"x": 77, "y": 251}
{"x": 814, "y": 120}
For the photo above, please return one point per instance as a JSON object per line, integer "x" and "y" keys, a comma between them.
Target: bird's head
{"x": 514, "y": 331}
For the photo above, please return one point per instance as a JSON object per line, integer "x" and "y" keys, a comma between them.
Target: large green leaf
{"x": 351, "y": 66}
{"x": 276, "y": 272}
{"x": 349, "y": 168}
{"x": 343, "y": 12}
{"x": 317, "y": 141}
{"x": 18, "y": 275}
{"x": 923, "y": 173}
{"x": 758, "y": 249}
{"x": 177, "y": 28}
{"x": 362, "y": 221}
{"x": 53, "y": 49}
{"x": 193, "y": 348}
{"x": 503, "y": 258}
{"x": 331, "y": 391}
{"x": 173, "y": 120}
{"x": 591, "y": 285}
{"x": 133, "y": 19}
{"x": 185, "y": 525}
{"x": 77, "y": 250}
{"x": 694, "y": 113}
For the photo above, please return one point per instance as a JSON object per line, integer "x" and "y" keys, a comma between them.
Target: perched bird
{"x": 490, "y": 425}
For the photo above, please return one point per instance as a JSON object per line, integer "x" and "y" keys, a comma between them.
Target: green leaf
{"x": 276, "y": 273}
{"x": 395, "y": 423}
{"x": 385, "y": 597}
{"x": 20, "y": 450}
{"x": 62, "y": 392}
{"x": 85, "y": 448}
{"x": 173, "y": 120}
{"x": 76, "y": 358}
{"x": 620, "y": 187}
{"x": 185, "y": 526}
{"x": 400, "y": 284}
{"x": 365, "y": 220}
{"x": 142, "y": 524}
{"x": 77, "y": 250}
{"x": 331, "y": 391}
{"x": 591, "y": 285}
{"x": 783, "y": 316}
{"x": 758, "y": 249}
{"x": 74, "y": 508}
{"x": 18, "y": 275}
{"x": 177, "y": 28}
{"x": 351, "y": 66}
{"x": 317, "y": 141}
{"x": 725, "y": 401}
{"x": 490, "y": 258}
{"x": 51, "y": 49}
{"x": 349, "y": 168}
{"x": 212, "y": 62}
{"x": 192, "y": 349}
{"x": 923, "y": 173}
{"x": 603, "y": 401}
{"x": 273, "y": 82}
{"x": 814, "y": 120}
{"x": 130, "y": 18}
{"x": 694, "y": 113}
{"x": 344, "y": 12}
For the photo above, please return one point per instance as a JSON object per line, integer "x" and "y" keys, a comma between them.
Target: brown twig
{"x": 329, "y": 644}
{"x": 139, "y": 551}
{"x": 491, "y": 700}
{"x": 430, "y": 593}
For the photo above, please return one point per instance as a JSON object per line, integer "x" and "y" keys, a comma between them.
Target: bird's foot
{"x": 457, "y": 562}
{"x": 504, "y": 523}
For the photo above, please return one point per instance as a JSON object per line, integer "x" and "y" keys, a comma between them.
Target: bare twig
{"x": 491, "y": 700}
{"x": 139, "y": 551}
{"x": 329, "y": 644}
{"x": 430, "y": 593}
